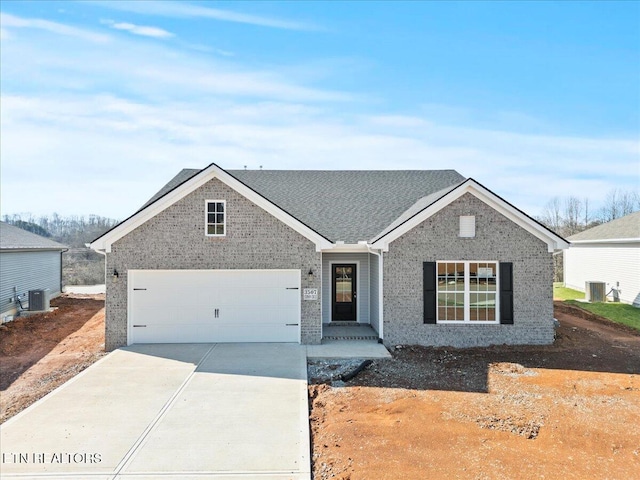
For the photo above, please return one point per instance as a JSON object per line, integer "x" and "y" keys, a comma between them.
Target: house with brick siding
{"x": 419, "y": 257}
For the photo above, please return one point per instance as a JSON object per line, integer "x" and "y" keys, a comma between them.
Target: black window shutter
{"x": 429, "y": 290}
{"x": 506, "y": 293}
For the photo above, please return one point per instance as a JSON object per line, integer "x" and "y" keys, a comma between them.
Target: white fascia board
{"x": 212, "y": 171}
{"x": 347, "y": 247}
{"x": 554, "y": 242}
{"x": 608, "y": 240}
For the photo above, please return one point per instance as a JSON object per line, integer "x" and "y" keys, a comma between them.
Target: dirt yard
{"x": 40, "y": 352}
{"x": 566, "y": 411}
{"x": 570, "y": 410}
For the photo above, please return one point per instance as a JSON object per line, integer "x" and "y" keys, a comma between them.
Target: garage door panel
{"x": 253, "y": 315}
{"x": 255, "y": 333}
{"x": 174, "y": 286}
{"x": 179, "y": 306}
{"x": 260, "y": 296}
{"x": 160, "y": 333}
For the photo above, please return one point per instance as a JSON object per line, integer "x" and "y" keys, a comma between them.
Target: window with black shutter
{"x": 475, "y": 292}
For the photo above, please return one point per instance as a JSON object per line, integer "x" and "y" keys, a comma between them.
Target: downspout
{"x": 380, "y": 302}
{"x": 61, "y": 283}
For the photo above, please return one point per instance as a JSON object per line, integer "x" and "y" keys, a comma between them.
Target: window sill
{"x": 475, "y": 322}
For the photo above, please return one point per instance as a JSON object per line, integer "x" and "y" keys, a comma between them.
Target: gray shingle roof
{"x": 14, "y": 238}
{"x": 624, "y": 227}
{"x": 417, "y": 207}
{"x": 347, "y": 205}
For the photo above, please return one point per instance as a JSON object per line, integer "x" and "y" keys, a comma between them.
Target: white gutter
{"x": 607, "y": 240}
{"x": 338, "y": 247}
{"x": 380, "y": 284}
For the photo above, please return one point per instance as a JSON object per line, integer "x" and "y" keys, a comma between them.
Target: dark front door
{"x": 344, "y": 292}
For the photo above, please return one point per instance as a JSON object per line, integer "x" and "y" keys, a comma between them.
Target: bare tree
{"x": 586, "y": 212}
{"x": 629, "y": 202}
{"x": 619, "y": 203}
{"x": 610, "y": 210}
{"x": 551, "y": 214}
{"x": 572, "y": 214}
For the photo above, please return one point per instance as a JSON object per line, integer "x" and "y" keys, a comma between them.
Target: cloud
{"x": 141, "y": 30}
{"x": 8, "y": 21}
{"x": 156, "y": 70}
{"x": 100, "y": 127}
{"x": 186, "y": 10}
{"x": 107, "y": 155}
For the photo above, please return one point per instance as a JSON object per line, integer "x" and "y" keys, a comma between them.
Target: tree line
{"x": 80, "y": 265}
{"x": 73, "y": 230}
{"x": 570, "y": 215}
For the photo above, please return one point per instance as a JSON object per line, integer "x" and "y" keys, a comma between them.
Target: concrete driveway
{"x": 171, "y": 411}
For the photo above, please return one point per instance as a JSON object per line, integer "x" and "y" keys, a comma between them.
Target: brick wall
{"x": 175, "y": 239}
{"x": 497, "y": 239}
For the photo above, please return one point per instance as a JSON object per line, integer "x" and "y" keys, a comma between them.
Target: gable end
{"x": 104, "y": 242}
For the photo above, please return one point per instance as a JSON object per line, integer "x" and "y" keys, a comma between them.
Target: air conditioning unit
{"x": 38, "y": 300}
{"x": 595, "y": 291}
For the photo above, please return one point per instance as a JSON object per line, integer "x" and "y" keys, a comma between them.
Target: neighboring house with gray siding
{"x": 423, "y": 257}
{"x": 27, "y": 262}
{"x": 607, "y": 253}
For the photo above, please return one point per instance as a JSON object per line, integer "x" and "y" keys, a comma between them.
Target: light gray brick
{"x": 175, "y": 239}
{"x": 497, "y": 238}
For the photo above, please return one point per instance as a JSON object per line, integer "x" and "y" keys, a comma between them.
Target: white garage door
{"x": 190, "y": 306}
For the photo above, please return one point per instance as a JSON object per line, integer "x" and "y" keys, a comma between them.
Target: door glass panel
{"x": 344, "y": 284}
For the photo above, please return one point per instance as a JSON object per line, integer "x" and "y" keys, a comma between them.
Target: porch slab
{"x": 348, "y": 349}
{"x": 354, "y": 331}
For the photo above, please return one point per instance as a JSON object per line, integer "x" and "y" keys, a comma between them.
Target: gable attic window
{"x": 216, "y": 218}
{"x": 467, "y": 226}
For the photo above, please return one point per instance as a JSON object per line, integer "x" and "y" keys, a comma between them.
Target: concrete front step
{"x": 333, "y": 337}
{"x": 351, "y": 331}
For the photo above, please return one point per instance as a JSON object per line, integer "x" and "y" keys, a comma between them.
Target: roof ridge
{"x": 360, "y": 203}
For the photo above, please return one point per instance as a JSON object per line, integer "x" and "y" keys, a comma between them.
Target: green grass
{"x": 564, "y": 293}
{"x": 618, "y": 312}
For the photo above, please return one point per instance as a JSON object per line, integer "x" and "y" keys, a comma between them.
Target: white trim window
{"x": 468, "y": 292}
{"x": 215, "y": 218}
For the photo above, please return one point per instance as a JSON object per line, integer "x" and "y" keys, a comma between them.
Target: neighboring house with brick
{"x": 28, "y": 262}
{"x": 424, "y": 257}
{"x": 607, "y": 253}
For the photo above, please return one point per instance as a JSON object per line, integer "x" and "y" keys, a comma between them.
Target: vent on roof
{"x": 467, "y": 226}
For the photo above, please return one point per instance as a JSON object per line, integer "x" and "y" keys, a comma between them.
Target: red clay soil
{"x": 570, "y": 410}
{"x": 40, "y": 352}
